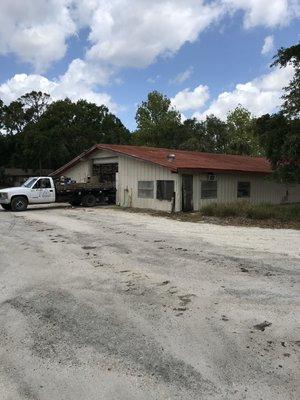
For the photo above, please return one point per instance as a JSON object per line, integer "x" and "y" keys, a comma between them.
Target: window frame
{"x": 150, "y": 190}
{"x": 164, "y": 193}
{"x": 209, "y": 190}
{"x": 238, "y": 194}
{"x": 39, "y": 181}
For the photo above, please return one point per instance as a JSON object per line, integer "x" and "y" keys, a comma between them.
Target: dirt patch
{"x": 197, "y": 217}
{"x": 262, "y": 326}
{"x": 56, "y": 333}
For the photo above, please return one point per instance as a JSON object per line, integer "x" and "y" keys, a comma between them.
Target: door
{"x": 187, "y": 192}
{"x": 42, "y": 192}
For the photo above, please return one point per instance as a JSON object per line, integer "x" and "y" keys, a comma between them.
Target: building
{"x": 17, "y": 176}
{"x": 176, "y": 180}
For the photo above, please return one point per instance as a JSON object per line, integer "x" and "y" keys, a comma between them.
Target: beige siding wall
{"x": 104, "y": 157}
{"x": 80, "y": 171}
{"x": 131, "y": 171}
{"x": 262, "y": 190}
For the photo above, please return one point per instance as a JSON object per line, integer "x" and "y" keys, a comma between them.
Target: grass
{"x": 280, "y": 212}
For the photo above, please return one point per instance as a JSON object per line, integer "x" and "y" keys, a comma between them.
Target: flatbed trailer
{"x": 43, "y": 190}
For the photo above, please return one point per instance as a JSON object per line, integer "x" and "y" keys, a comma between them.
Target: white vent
{"x": 171, "y": 157}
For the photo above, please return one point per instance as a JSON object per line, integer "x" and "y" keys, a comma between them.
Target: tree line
{"x": 38, "y": 133}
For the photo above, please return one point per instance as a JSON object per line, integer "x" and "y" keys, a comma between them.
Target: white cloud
{"x": 268, "y": 45}
{"x": 153, "y": 79}
{"x": 191, "y": 99}
{"x": 122, "y": 33}
{"x": 36, "y": 31}
{"x": 79, "y": 82}
{"x": 265, "y": 12}
{"x": 134, "y": 35}
{"x": 260, "y": 96}
{"x": 183, "y": 76}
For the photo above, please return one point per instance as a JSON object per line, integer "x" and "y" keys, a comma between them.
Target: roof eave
{"x": 221, "y": 170}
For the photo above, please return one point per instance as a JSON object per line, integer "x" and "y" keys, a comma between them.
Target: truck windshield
{"x": 29, "y": 183}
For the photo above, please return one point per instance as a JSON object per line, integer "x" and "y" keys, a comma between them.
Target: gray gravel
{"x": 105, "y": 304}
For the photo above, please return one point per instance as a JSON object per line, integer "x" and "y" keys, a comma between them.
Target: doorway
{"x": 187, "y": 192}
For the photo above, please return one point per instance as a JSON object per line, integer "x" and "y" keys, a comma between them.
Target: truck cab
{"x": 36, "y": 190}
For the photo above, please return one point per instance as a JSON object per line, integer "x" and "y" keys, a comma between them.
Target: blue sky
{"x": 207, "y": 56}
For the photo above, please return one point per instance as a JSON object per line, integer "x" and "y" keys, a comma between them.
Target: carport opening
{"x": 106, "y": 176}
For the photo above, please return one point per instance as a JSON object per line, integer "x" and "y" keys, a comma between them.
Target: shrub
{"x": 286, "y": 212}
{"x": 223, "y": 210}
{"x": 261, "y": 211}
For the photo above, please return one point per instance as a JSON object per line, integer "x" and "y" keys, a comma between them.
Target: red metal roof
{"x": 183, "y": 160}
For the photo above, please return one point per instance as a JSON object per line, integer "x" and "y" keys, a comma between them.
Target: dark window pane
{"x": 159, "y": 190}
{"x": 43, "y": 183}
{"x": 164, "y": 190}
{"x": 209, "y": 190}
{"x": 243, "y": 189}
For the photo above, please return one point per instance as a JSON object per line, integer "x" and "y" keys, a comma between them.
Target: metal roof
{"x": 181, "y": 160}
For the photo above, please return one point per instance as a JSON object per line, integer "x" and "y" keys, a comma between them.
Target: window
{"x": 164, "y": 190}
{"x": 146, "y": 189}
{"x": 29, "y": 182}
{"x": 43, "y": 183}
{"x": 243, "y": 189}
{"x": 209, "y": 190}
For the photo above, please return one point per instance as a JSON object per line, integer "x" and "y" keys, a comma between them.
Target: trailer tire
{"x": 6, "y": 207}
{"x": 19, "y": 203}
{"x": 89, "y": 200}
{"x": 75, "y": 203}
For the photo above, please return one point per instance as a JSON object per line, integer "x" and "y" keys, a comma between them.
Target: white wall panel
{"x": 131, "y": 171}
{"x": 262, "y": 190}
{"x": 79, "y": 172}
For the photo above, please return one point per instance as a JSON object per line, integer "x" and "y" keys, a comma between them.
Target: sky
{"x": 207, "y": 56}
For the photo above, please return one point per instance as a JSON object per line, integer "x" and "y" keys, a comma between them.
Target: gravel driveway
{"x": 105, "y": 304}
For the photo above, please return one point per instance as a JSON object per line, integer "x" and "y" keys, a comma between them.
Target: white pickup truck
{"x": 43, "y": 190}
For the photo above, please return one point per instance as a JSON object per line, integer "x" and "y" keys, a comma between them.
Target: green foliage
{"x": 285, "y": 56}
{"x": 42, "y": 135}
{"x": 216, "y": 134}
{"x": 222, "y": 210}
{"x": 158, "y": 123}
{"x": 242, "y": 136}
{"x": 284, "y": 213}
{"x": 1, "y": 115}
{"x": 281, "y": 140}
{"x": 66, "y": 129}
{"x": 208, "y": 136}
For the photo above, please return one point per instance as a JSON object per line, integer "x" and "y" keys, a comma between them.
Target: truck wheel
{"x": 19, "y": 203}
{"x": 75, "y": 203}
{"x": 89, "y": 200}
{"x": 6, "y": 207}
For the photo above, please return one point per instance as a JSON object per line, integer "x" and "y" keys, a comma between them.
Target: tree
{"x": 1, "y": 115}
{"x": 210, "y": 135}
{"x": 26, "y": 109}
{"x": 216, "y": 135}
{"x": 242, "y": 137}
{"x": 158, "y": 123}
{"x": 65, "y": 129}
{"x": 285, "y": 56}
{"x": 14, "y": 119}
{"x": 196, "y": 139}
{"x": 280, "y": 138}
{"x": 34, "y": 104}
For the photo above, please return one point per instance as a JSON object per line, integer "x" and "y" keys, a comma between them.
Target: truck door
{"x": 42, "y": 191}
